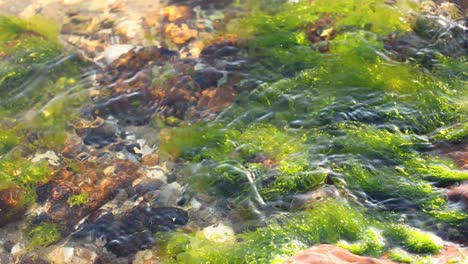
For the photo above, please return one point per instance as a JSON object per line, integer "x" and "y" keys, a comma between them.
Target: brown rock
{"x": 95, "y": 179}
{"x": 179, "y": 34}
{"x": 321, "y": 30}
{"x": 12, "y": 205}
{"x": 32, "y": 259}
{"x": 73, "y": 146}
{"x": 145, "y": 257}
{"x": 131, "y": 63}
{"x": 216, "y": 99}
{"x": 176, "y": 100}
{"x": 220, "y": 42}
{"x": 150, "y": 160}
{"x": 329, "y": 254}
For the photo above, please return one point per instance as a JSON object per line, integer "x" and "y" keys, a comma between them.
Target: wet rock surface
{"x": 322, "y": 254}
{"x": 126, "y": 234}
{"x": 437, "y": 19}
{"x": 333, "y": 254}
{"x": 99, "y": 186}
{"x": 459, "y": 194}
{"x": 459, "y": 153}
{"x": 202, "y": 86}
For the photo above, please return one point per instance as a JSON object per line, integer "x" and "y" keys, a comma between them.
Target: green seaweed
{"x": 383, "y": 183}
{"x": 272, "y": 160}
{"x": 188, "y": 141}
{"x": 280, "y": 43}
{"x": 44, "y": 235}
{"x": 9, "y": 138}
{"x": 414, "y": 240}
{"x": 327, "y": 222}
{"x": 78, "y": 200}
{"x": 26, "y": 46}
{"x": 401, "y": 149}
{"x": 400, "y": 255}
{"x": 21, "y": 173}
{"x": 456, "y": 133}
{"x": 372, "y": 243}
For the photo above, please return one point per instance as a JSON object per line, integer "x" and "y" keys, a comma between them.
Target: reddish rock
{"x": 460, "y": 155}
{"x": 459, "y": 194}
{"x": 452, "y": 254}
{"x": 329, "y": 254}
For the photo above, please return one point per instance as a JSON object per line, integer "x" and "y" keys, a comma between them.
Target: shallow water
{"x": 232, "y": 131}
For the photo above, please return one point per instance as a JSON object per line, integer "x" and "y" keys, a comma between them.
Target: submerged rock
{"x": 12, "y": 205}
{"x": 113, "y": 52}
{"x": 133, "y": 231}
{"x": 74, "y": 255}
{"x": 98, "y": 181}
{"x": 459, "y": 195}
{"x": 332, "y": 254}
{"x": 459, "y": 154}
{"x": 145, "y": 257}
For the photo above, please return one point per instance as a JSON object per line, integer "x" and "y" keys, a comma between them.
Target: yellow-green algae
{"x": 327, "y": 222}
{"x": 44, "y": 235}
{"x": 78, "y": 199}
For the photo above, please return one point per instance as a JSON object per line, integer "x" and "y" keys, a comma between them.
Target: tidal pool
{"x": 233, "y": 131}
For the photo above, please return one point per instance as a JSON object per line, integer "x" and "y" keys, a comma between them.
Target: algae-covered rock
{"x": 19, "y": 179}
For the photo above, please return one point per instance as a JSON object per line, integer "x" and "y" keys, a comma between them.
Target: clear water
{"x": 231, "y": 131}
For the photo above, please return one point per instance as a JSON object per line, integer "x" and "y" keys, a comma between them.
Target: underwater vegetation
{"x": 78, "y": 199}
{"x": 328, "y": 221}
{"x": 33, "y": 111}
{"x": 336, "y": 106}
{"x": 339, "y": 100}
{"x": 44, "y": 235}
